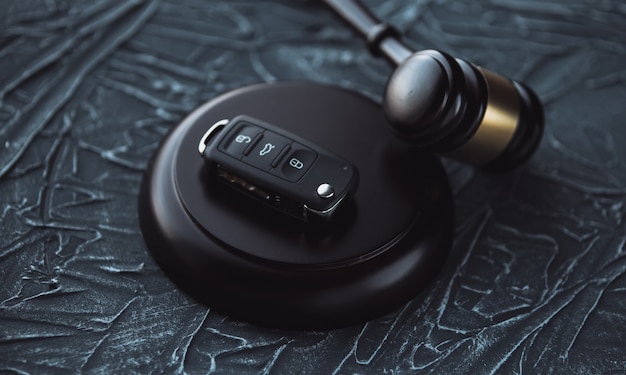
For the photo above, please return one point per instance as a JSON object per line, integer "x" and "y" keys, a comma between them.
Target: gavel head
{"x": 454, "y": 108}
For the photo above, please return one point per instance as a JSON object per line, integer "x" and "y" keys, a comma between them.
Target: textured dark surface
{"x": 536, "y": 281}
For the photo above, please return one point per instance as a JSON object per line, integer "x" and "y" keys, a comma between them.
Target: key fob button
{"x": 296, "y": 163}
{"x": 266, "y": 150}
{"x": 241, "y": 138}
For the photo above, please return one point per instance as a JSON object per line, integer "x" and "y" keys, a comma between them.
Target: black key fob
{"x": 278, "y": 168}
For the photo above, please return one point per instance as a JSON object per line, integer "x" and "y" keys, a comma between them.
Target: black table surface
{"x": 536, "y": 279}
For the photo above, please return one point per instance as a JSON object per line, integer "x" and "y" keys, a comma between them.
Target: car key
{"x": 278, "y": 168}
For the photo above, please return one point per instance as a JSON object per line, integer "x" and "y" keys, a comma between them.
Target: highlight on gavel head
{"x": 454, "y": 108}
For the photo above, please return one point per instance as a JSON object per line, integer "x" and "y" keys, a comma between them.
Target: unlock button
{"x": 296, "y": 163}
{"x": 239, "y": 139}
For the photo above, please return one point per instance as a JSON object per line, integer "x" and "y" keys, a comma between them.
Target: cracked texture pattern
{"x": 536, "y": 280}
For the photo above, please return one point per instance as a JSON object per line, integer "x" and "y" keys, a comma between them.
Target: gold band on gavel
{"x": 497, "y": 126}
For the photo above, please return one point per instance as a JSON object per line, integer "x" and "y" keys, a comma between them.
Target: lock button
{"x": 295, "y": 163}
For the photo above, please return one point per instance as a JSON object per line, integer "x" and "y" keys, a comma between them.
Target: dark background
{"x": 536, "y": 279}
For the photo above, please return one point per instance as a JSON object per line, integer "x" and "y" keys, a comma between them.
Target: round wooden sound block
{"x": 257, "y": 264}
